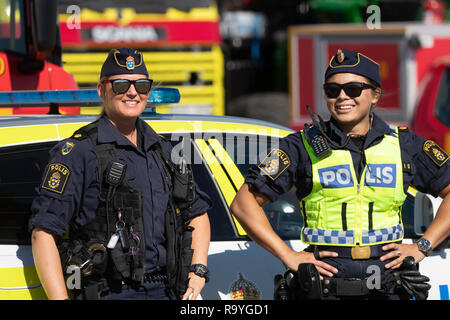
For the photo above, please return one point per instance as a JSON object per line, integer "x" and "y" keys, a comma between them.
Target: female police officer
{"x": 110, "y": 183}
{"x": 351, "y": 196}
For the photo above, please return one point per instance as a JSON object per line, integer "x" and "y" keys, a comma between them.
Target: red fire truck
{"x": 180, "y": 41}
{"x": 30, "y": 51}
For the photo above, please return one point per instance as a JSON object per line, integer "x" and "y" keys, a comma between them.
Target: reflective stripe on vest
{"x": 340, "y": 210}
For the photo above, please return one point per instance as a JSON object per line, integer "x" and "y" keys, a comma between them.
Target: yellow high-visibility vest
{"x": 342, "y": 211}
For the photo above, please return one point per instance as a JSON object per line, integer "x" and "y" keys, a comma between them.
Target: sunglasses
{"x": 351, "y": 89}
{"x": 120, "y": 86}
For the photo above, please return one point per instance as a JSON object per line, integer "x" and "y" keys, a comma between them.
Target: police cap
{"x": 346, "y": 61}
{"x": 123, "y": 61}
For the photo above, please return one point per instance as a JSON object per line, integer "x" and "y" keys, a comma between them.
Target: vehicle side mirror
{"x": 425, "y": 208}
{"x": 44, "y": 18}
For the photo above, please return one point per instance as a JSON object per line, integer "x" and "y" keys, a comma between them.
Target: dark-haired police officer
{"x": 114, "y": 184}
{"x": 351, "y": 195}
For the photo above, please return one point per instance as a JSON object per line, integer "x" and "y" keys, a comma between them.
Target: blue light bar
{"x": 80, "y": 98}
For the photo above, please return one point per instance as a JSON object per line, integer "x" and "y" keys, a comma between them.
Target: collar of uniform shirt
{"x": 378, "y": 129}
{"x": 150, "y": 137}
{"x": 109, "y": 133}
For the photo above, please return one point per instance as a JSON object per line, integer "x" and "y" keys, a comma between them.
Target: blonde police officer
{"x": 351, "y": 196}
{"x": 111, "y": 181}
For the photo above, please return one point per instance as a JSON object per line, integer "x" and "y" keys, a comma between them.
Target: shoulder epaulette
{"x": 78, "y": 135}
{"x": 87, "y": 131}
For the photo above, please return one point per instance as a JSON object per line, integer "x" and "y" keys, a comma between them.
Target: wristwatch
{"x": 200, "y": 270}
{"x": 425, "y": 246}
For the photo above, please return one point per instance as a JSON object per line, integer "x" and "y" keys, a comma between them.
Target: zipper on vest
{"x": 358, "y": 213}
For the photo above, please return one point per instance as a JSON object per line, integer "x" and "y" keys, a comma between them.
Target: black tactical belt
{"x": 374, "y": 251}
{"x": 345, "y": 287}
{"x": 156, "y": 276}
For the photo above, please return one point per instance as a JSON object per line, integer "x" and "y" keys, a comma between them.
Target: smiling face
{"x": 126, "y": 106}
{"x": 352, "y": 113}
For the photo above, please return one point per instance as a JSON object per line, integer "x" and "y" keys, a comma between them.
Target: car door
{"x": 20, "y": 173}
{"x": 240, "y": 269}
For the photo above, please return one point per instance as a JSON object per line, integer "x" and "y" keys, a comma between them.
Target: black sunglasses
{"x": 351, "y": 89}
{"x": 120, "y": 86}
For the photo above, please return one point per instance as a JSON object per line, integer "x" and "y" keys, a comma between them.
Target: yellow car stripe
{"x": 27, "y": 134}
{"x": 47, "y": 132}
{"x": 228, "y": 163}
{"x": 220, "y": 176}
{"x": 66, "y": 130}
{"x": 170, "y": 126}
{"x": 231, "y": 127}
{"x": 20, "y": 283}
{"x": 233, "y": 172}
{"x": 18, "y": 277}
{"x": 23, "y": 294}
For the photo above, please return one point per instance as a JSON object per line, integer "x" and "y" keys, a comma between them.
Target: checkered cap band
{"x": 382, "y": 235}
{"x": 328, "y": 236}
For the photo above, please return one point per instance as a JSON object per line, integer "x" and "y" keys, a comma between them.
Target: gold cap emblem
{"x": 340, "y": 56}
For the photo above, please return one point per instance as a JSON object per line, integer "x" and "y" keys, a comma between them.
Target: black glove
{"x": 415, "y": 284}
{"x": 406, "y": 278}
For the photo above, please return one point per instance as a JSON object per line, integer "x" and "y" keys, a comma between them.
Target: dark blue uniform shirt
{"x": 78, "y": 199}
{"x": 423, "y": 173}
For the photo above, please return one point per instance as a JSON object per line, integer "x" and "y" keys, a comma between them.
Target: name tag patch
{"x": 435, "y": 153}
{"x": 56, "y": 178}
{"x": 381, "y": 175}
{"x": 336, "y": 177}
{"x": 275, "y": 163}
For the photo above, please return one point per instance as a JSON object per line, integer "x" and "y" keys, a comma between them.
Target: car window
{"x": 442, "y": 109}
{"x": 20, "y": 173}
{"x": 284, "y": 214}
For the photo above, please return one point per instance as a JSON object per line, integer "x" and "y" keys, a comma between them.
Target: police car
{"x": 220, "y": 149}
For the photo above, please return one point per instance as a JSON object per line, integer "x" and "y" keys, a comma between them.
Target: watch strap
{"x": 428, "y": 247}
{"x": 200, "y": 270}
